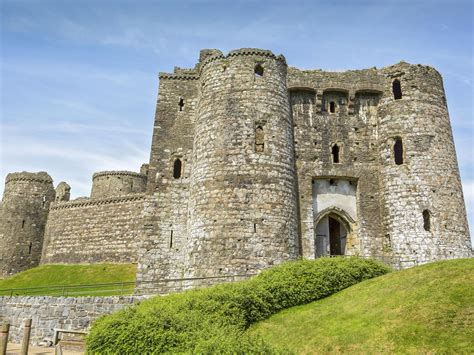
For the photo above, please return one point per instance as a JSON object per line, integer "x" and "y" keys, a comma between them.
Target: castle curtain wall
{"x": 94, "y": 231}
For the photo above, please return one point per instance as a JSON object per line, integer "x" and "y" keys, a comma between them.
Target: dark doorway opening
{"x": 337, "y": 237}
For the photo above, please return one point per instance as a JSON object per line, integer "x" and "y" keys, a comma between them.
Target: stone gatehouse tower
{"x": 253, "y": 163}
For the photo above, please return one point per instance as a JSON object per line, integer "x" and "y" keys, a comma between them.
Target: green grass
{"x": 214, "y": 320}
{"x": 425, "y": 309}
{"x": 44, "y": 277}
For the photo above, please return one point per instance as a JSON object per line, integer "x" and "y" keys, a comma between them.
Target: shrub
{"x": 213, "y": 320}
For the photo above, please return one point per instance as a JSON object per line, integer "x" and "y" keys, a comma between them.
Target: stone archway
{"x": 333, "y": 228}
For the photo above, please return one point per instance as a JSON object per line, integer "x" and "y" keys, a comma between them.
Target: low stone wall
{"x": 47, "y": 313}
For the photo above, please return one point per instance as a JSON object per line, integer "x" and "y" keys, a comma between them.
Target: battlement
{"x": 84, "y": 201}
{"x": 41, "y": 177}
{"x": 118, "y": 173}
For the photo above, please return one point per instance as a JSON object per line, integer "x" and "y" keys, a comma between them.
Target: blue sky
{"x": 79, "y": 78}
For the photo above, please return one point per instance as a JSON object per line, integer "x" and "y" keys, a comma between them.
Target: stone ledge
{"x": 41, "y": 177}
{"x": 97, "y": 202}
{"x": 118, "y": 172}
{"x": 241, "y": 52}
{"x": 180, "y": 76}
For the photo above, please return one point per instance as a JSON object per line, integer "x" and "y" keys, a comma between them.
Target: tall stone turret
{"x": 242, "y": 204}
{"x": 23, "y": 217}
{"x": 423, "y": 210}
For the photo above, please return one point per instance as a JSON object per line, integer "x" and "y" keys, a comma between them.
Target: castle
{"x": 253, "y": 163}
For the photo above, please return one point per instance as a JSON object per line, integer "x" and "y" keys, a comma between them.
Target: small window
{"x": 259, "y": 139}
{"x": 23, "y": 224}
{"x": 335, "y": 153}
{"x": 427, "y": 220}
{"x": 396, "y": 89}
{"x": 398, "y": 151}
{"x": 181, "y": 104}
{"x": 29, "y": 248}
{"x": 171, "y": 239}
{"x": 332, "y": 107}
{"x": 177, "y": 168}
{"x": 332, "y": 182}
{"x": 258, "y": 70}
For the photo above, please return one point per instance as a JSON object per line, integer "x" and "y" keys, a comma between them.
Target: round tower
{"x": 423, "y": 213}
{"x": 23, "y": 214}
{"x": 117, "y": 183}
{"x": 242, "y": 203}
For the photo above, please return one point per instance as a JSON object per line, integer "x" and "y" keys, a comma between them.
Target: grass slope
{"x": 425, "y": 309}
{"x": 52, "y": 275}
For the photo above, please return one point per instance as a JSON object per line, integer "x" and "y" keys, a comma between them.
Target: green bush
{"x": 213, "y": 320}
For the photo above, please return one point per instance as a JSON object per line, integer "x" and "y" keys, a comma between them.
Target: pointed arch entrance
{"x": 333, "y": 226}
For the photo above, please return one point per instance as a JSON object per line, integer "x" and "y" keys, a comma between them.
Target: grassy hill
{"x": 43, "y": 277}
{"x": 425, "y": 309}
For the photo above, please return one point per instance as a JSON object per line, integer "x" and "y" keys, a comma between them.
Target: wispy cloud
{"x": 79, "y": 83}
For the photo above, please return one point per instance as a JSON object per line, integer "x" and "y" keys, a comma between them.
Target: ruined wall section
{"x": 117, "y": 183}
{"x": 353, "y": 127}
{"x": 94, "y": 230}
{"x": 243, "y": 215}
{"x": 23, "y": 215}
{"x": 162, "y": 250}
{"x": 423, "y": 210}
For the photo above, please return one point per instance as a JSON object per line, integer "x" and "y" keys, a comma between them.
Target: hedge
{"x": 214, "y": 320}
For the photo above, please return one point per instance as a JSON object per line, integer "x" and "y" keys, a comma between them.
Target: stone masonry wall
{"x": 427, "y": 181}
{"x": 94, "y": 231}
{"x": 239, "y": 142}
{"x": 117, "y": 183}
{"x": 243, "y": 215}
{"x": 23, "y": 213}
{"x": 47, "y": 313}
{"x": 353, "y": 127}
{"x": 162, "y": 251}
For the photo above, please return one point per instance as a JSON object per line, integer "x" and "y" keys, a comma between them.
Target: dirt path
{"x": 14, "y": 349}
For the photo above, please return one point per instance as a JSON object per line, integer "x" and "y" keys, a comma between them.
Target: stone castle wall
{"x": 23, "y": 214}
{"x": 94, "y": 230}
{"x": 48, "y": 313}
{"x": 242, "y": 194}
{"x": 423, "y": 207}
{"x": 243, "y": 149}
{"x": 353, "y": 128}
{"x": 162, "y": 252}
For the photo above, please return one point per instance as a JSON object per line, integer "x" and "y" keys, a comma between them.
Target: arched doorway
{"x": 331, "y": 235}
